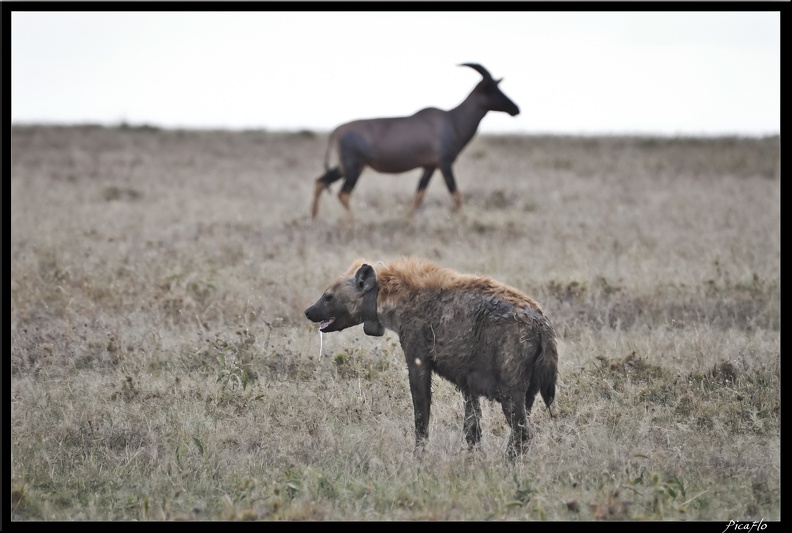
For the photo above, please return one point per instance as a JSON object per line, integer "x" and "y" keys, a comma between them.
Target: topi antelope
{"x": 431, "y": 138}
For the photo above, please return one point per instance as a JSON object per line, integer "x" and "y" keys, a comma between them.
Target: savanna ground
{"x": 162, "y": 368}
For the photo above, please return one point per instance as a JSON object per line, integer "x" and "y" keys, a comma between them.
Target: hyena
{"x": 486, "y": 338}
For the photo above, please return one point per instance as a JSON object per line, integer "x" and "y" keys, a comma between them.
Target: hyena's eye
{"x": 328, "y": 297}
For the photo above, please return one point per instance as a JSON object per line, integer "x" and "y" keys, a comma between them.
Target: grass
{"x": 162, "y": 368}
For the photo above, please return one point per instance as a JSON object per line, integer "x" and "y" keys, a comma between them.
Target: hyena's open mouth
{"x": 326, "y": 323}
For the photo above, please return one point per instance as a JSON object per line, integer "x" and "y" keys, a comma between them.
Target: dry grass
{"x": 162, "y": 368}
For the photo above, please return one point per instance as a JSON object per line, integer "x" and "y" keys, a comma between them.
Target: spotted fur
{"x": 485, "y": 337}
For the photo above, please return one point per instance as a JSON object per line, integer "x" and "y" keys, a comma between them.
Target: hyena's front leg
{"x": 472, "y": 424}
{"x": 421, "y": 391}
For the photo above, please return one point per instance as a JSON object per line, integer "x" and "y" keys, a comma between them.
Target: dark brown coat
{"x": 429, "y": 139}
{"x": 485, "y": 337}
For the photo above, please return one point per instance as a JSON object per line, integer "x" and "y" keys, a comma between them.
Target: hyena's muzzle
{"x": 331, "y": 314}
{"x": 348, "y": 303}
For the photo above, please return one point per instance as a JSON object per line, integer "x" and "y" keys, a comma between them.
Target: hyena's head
{"x": 348, "y": 302}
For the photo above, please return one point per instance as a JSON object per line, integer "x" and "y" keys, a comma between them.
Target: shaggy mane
{"x": 403, "y": 275}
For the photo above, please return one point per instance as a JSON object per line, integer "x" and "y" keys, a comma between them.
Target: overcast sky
{"x": 670, "y": 73}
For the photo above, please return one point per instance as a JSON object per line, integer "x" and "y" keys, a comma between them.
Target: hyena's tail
{"x": 546, "y": 366}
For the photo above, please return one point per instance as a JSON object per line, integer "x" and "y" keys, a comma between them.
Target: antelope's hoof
{"x": 457, "y": 201}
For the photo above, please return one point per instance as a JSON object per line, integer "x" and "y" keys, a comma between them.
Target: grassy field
{"x": 162, "y": 368}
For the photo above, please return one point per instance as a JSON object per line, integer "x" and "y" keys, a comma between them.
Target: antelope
{"x": 431, "y": 138}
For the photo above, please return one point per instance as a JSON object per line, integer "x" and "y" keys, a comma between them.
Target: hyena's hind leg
{"x": 530, "y": 394}
{"x": 323, "y": 184}
{"x": 513, "y": 406}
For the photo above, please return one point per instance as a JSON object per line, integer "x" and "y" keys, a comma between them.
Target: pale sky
{"x": 668, "y": 73}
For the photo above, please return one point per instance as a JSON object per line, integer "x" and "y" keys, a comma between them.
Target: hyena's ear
{"x": 366, "y": 282}
{"x": 365, "y": 278}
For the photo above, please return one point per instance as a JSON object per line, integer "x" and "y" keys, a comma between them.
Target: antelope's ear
{"x": 365, "y": 278}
